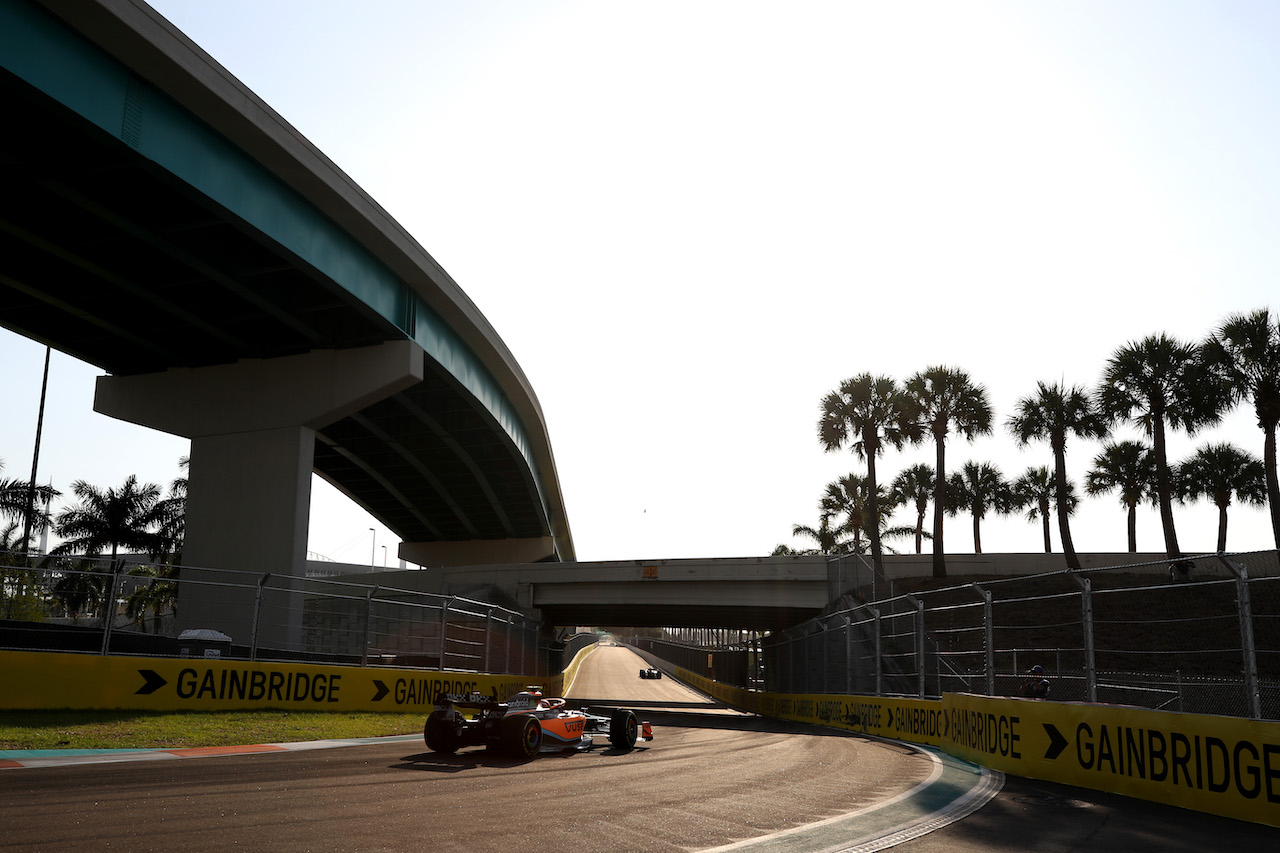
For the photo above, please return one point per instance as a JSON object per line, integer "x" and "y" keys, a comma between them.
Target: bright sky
{"x": 691, "y": 220}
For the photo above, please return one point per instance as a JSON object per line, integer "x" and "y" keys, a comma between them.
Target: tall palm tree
{"x": 1247, "y": 349}
{"x": 915, "y": 486}
{"x": 1219, "y": 471}
{"x": 1130, "y": 467}
{"x": 866, "y": 413}
{"x": 978, "y": 488}
{"x": 1159, "y": 383}
{"x": 940, "y": 400}
{"x": 126, "y": 517}
{"x": 1052, "y": 414}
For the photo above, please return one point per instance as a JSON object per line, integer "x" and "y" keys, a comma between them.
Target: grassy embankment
{"x": 145, "y": 729}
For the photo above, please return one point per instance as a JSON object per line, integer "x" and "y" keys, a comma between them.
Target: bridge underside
{"x": 115, "y": 260}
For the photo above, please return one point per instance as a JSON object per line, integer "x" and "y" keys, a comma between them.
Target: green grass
{"x": 150, "y": 729}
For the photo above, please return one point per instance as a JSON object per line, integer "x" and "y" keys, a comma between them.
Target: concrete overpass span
{"x": 749, "y": 593}
{"x": 163, "y": 223}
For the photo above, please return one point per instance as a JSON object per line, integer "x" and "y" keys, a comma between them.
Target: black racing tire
{"x": 520, "y": 735}
{"x": 623, "y": 729}
{"x": 440, "y": 734}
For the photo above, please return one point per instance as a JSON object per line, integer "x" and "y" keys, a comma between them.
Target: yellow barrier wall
{"x": 49, "y": 680}
{"x": 916, "y": 720}
{"x": 1221, "y": 765}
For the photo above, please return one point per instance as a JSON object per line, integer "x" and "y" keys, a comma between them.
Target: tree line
{"x": 101, "y": 522}
{"x": 1156, "y": 384}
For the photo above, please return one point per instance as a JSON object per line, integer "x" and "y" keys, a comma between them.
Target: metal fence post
{"x": 848, "y": 655}
{"x": 988, "y": 639}
{"x": 1244, "y": 607}
{"x": 875, "y": 612}
{"x": 919, "y": 620}
{"x": 510, "y": 625}
{"x": 488, "y": 636}
{"x": 109, "y": 605}
{"x": 257, "y": 613}
{"x": 368, "y": 624}
{"x": 444, "y": 629}
{"x": 822, "y": 657}
{"x": 1086, "y": 612}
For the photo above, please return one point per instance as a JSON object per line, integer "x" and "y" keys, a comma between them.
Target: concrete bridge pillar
{"x": 252, "y": 426}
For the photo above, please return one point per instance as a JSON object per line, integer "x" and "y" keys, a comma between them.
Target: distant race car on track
{"x": 525, "y": 725}
{"x": 651, "y": 672}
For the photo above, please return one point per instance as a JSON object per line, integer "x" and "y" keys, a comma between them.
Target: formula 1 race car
{"x": 651, "y": 672}
{"x": 525, "y": 725}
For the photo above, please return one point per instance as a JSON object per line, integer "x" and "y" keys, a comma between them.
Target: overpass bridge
{"x": 162, "y": 223}
{"x": 749, "y": 593}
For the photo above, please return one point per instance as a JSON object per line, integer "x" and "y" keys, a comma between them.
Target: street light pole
{"x": 373, "y": 549}
{"x": 35, "y": 458}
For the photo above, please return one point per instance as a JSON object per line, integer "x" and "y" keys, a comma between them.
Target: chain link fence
{"x": 96, "y": 606}
{"x": 1198, "y": 636}
{"x": 1201, "y": 636}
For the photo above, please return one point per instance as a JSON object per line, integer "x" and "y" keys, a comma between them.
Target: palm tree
{"x": 942, "y": 399}
{"x": 1218, "y": 471}
{"x": 127, "y": 517}
{"x": 851, "y": 496}
{"x": 866, "y": 413}
{"x": 978, "y": 488}
{"x": 15, "y": 495}
{"x": 1157, "y": 383}
{"x": 848, "y": 497}
{"x": 1247, "y": 350}
{"x": 1130, "y": 467}
{"x": 172, "y": 514}
{"x": 1053, "y": 414}
{"x": 21, "y": 596}
{"x": 1034, "y": 492}
{"x": 830, "y": 540}
{"x": 915, "y": 486}
{"x": 159, "y": 595}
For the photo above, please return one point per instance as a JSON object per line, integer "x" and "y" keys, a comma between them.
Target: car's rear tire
{"x": 440, "y": 734}
{"x": 623, "y": 729}
{"x": 521, "y": 736}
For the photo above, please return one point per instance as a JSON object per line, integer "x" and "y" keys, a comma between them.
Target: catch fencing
{"x": 100, "y": 607}
{"x": 1202, "y": 636}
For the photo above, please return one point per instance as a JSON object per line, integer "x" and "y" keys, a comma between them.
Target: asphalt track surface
{"x": 712, "y": 779}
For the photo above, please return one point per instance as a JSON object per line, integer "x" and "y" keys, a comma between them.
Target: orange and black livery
{"x": 526, "y": 724}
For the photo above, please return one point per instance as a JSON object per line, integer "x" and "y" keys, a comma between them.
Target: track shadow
{"x": 475, "y": 757}
{"x": 676, "y": 718}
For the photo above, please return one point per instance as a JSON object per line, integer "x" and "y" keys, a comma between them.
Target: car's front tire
{"x": 623, "y": 729}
